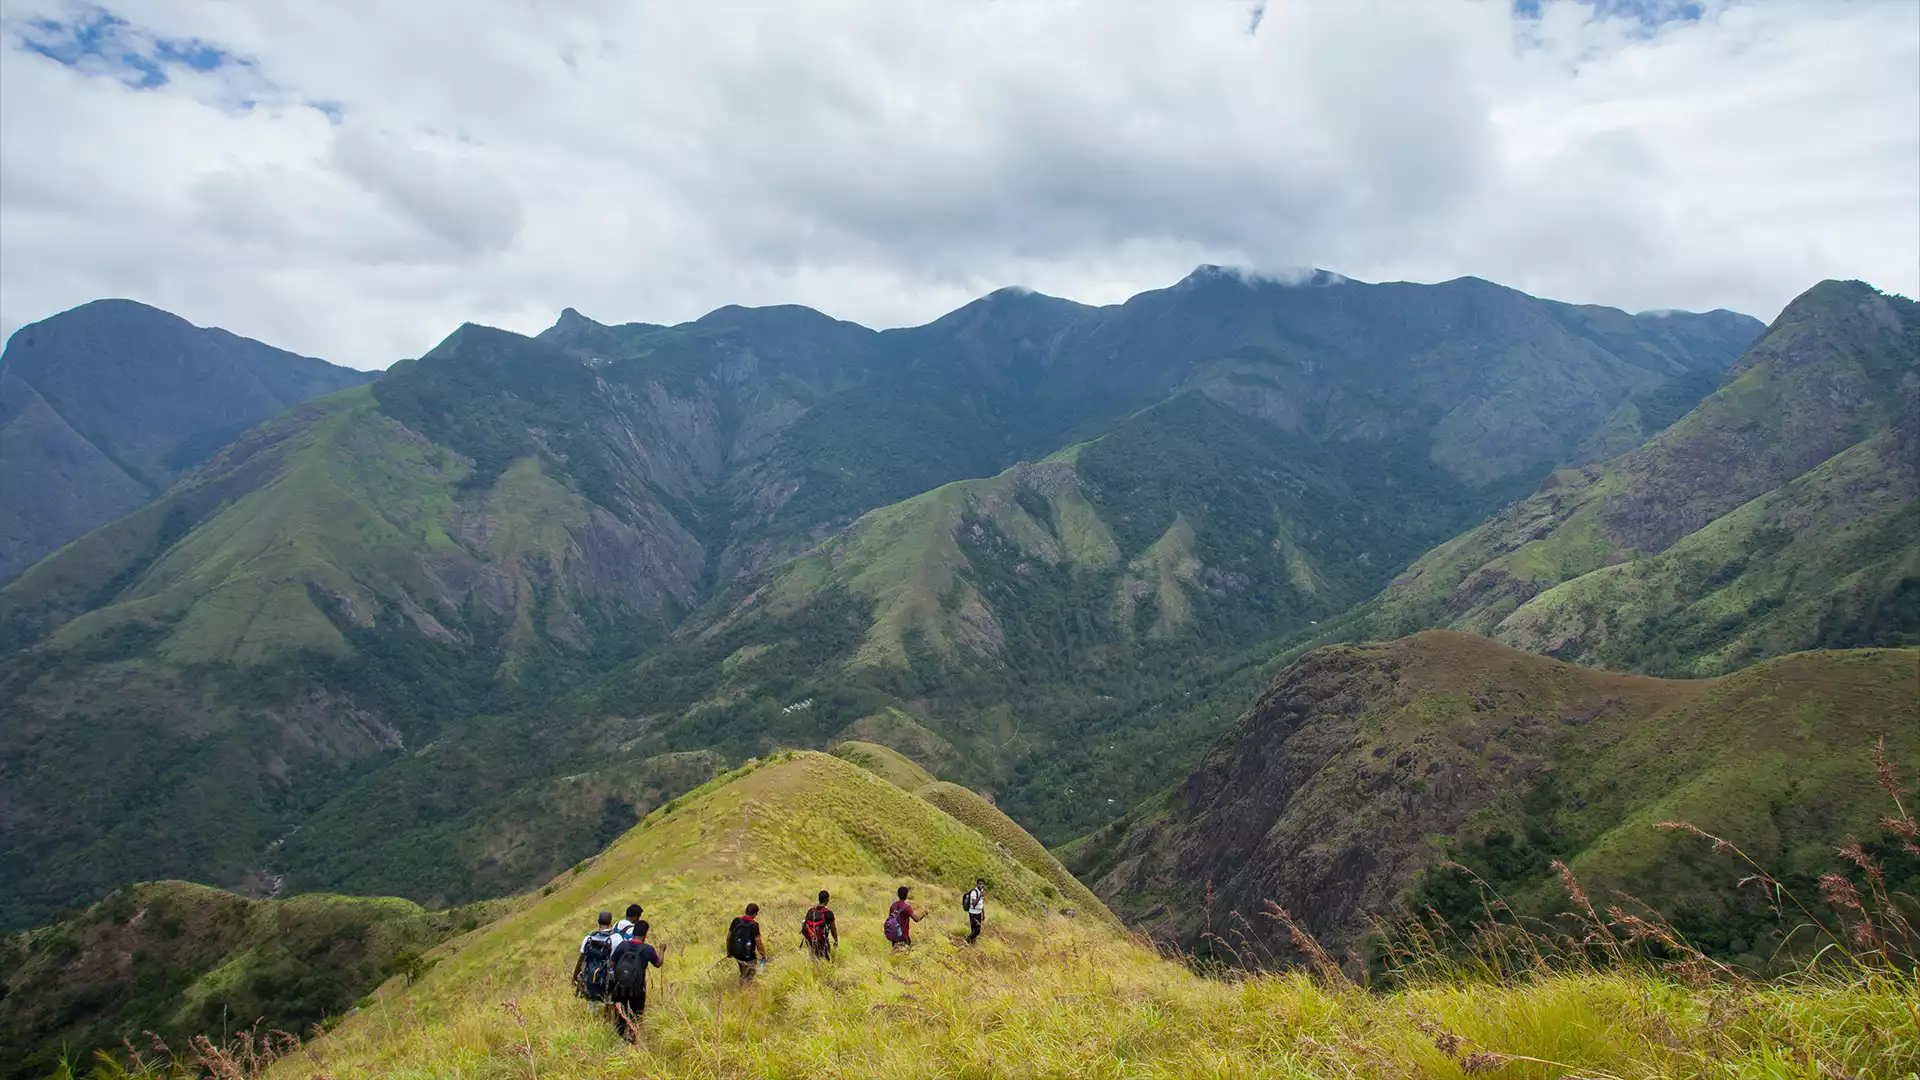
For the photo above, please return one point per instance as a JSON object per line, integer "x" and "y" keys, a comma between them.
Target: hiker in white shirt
{"x": 976, "y": 904}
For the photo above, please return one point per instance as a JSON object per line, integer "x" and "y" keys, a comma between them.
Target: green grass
{"x": 1820, "y": 561}
{"x": 970, "y": 808}
{"x": 1690, "y": 509}
{"x": 886, "y": 763}
{"x": 897, "y": 729}
{"x": 1165, "y": 571}
{"x": 1041, "y": 996}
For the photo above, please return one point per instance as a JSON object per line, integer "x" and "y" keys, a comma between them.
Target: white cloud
{"x": 498, "y": 161}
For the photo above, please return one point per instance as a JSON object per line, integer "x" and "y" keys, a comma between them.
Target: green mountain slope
{"x": 104, "y": 406}
{"x": 180, "y": 960}
{"x": 1340, "y": 793}
{"x": 1777, "y": 514}
{"x": 325, "y": 592}
{"x": 1042, "y": 994}
{"x": 378, "y": 594}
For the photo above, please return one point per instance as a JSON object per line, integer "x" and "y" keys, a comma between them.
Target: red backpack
{"x": 815, "y": 928}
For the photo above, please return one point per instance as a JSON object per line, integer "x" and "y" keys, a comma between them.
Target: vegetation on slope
{"x": 1040, "y": 996}
{"x": 1807, "y": 449}
{"x": 314, "y": 600}
{"x": 1828, "y": 560}
{"x": 382, "y": 576}
{"x": 180, "y": 960}
{"x": 886, "y": 763}
{"x": 1364, "y": 768}
{"x": 103, "y": 406}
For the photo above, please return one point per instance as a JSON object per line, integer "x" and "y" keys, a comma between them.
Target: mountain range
{"x": 370, "y": 625}
{"x": 1508, "y": 583}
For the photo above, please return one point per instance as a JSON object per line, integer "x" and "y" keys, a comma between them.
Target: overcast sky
{"x": 354, "y": 178}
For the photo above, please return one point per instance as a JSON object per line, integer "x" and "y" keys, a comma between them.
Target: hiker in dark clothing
{"x": 976, "y": 904}
{"x": 818, "y": 931}
{"x": 900, "y": 920}
{"x": 591, "y": 969}
{"x": 627, "y": 989}
{"x": 745, "y": 944}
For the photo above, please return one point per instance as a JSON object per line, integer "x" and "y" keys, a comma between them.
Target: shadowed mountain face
{"x": 1363, "y": 768}
{"x": 105, "y": 406}
{"x": 356, "y": 618}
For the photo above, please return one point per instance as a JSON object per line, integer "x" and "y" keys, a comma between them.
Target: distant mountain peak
{"x": 571, "y": 319}
{"x": 1291, "y": 276}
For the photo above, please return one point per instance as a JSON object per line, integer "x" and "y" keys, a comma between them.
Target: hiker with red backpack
{"x": 900, "y": 920}
{"x": 818, "y": 931}
{"x": 745, "y": 945}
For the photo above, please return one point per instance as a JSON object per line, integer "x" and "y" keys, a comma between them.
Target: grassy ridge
{"x": 886, "y": 763}
{"x": 1042, "y": 996}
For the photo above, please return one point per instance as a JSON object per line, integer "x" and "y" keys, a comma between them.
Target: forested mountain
{"x": 105, "y": 406}
{"x": 1779, "y": 514}
{"x": 1363, "y": 769}
{"x": 337, "y": 644}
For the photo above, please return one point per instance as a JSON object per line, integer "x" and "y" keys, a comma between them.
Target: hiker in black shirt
{"x": 628, "y": 987}
{"x": 818, "y": 930}
{"x": 745, "y": 945}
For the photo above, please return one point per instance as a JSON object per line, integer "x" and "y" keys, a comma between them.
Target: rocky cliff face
{"x": 1365, "y": 767}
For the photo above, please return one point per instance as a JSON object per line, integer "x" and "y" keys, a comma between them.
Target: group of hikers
{"x": 614, "y": 958}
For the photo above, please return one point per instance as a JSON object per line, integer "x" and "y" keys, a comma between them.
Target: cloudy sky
{"x": 354, "y": 178}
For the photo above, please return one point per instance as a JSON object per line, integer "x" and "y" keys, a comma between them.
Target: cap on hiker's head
{"x": 606, "y": 918}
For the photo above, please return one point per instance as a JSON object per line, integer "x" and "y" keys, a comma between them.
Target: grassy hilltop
{"x": 1044, "y": 995}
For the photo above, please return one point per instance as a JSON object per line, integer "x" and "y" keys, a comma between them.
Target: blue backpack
{"x": 595, "y": 967}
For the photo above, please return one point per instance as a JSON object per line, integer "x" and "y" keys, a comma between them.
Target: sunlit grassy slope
{"x": 1043, "y": 995}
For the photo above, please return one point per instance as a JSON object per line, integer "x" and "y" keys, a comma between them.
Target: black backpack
{"x": 741, "y": 939}
{"x": 593, "y": 969}
{"x": 629, "y": 972}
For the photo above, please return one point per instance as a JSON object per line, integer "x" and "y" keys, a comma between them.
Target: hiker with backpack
{"x": 818, "y": 931}
{"x": 745, "y": 945}
{"x": 900, "y": 920}
{"x": 975, "y": 904}
{"x": 590, "y": 971}
{"x": 627, "y": 986}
